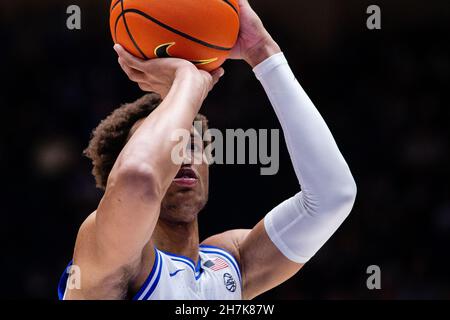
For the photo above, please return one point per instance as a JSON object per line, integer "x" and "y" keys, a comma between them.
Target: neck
{"x": 177, "y": 238}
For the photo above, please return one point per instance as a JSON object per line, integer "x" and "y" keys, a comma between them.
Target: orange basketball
{"x": 201, "y": 31}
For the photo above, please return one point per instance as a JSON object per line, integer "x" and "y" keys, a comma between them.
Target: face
{"x": 188, "y": 192}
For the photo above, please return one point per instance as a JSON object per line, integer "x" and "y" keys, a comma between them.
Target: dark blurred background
{"x": 383, "y": 93}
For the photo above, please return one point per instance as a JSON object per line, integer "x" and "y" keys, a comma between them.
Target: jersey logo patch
{"x": 216, "y": 264}
{"x": 173, "y": 274}
{"x": 229, "y": 282}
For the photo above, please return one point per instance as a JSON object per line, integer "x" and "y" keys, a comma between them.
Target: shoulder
{"x": 228, "y": 241}
{"x": 86, "y": 236}
{"x": 101, "y": 277}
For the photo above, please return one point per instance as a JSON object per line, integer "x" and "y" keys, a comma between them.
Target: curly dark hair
{"x": 112, "y": 134}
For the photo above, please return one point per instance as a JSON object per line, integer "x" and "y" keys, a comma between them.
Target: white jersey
{"x": 215, "y": 277}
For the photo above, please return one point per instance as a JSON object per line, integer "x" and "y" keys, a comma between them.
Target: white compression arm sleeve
{"x": 301, "y": 225}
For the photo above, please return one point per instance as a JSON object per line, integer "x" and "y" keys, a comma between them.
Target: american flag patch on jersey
{"x": 216, "y": 264}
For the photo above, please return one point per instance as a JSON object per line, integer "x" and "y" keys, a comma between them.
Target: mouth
{"x": 186, "y": 177}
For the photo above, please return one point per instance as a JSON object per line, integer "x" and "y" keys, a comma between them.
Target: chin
{"x": 178, "y": 218}
{"x": 182, "y": 211}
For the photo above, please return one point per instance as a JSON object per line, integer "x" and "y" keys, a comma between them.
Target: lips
{"x": 186, "y": 177}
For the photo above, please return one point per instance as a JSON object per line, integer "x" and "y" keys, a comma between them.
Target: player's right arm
{"x": 110, "y": 243}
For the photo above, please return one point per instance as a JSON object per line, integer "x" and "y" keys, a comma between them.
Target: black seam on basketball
{"x": 115, "y": 27}
{"x": 115, "y": 32}
{"x": 180, "y": 33}
{"x": 128, "y": 31}
{"x": 115, "y": 5}
{"x": 231, "y": 5}
{"x": 115, "y": 24}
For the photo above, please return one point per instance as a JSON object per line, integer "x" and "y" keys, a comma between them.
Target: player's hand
{"x": 254, "y": 44}
{"x": 158, "y": 75}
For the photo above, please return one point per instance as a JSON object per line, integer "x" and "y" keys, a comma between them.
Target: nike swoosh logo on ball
{"x": 162, "y": 51}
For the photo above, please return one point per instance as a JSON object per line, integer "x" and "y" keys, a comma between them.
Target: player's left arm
{"x": 291, "y": 234}
{"x": 263, "y": 266}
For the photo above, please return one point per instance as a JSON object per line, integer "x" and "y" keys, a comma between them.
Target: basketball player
{"x": 142, "y": 242}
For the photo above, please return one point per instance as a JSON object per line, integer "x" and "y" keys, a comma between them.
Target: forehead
{"x": 194, "y": 130}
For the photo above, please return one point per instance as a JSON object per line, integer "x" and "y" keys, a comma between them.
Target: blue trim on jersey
{"x": 185, "y": 262}
{"x": 199, "y": 274}
{"x": 198, "y": 267}
{"x": 155, "y": 283}
{"x": 189, "y": 261}
{"x": 63, "y": 282}
{"x": 150, "y": 277}
{"x": 225, "y": 254}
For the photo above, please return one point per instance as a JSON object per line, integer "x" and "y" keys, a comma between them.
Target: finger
{"x": 133, "y": 74}
{"x": 129, "y": 59}
{"x": 144, "y": 87}
{"x": 216, "y": 75}
{"x": 244, "y": 3}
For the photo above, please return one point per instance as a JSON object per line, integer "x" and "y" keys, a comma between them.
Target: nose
{"x": 193, "y": 155}
{"x": 187, "y": 160}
